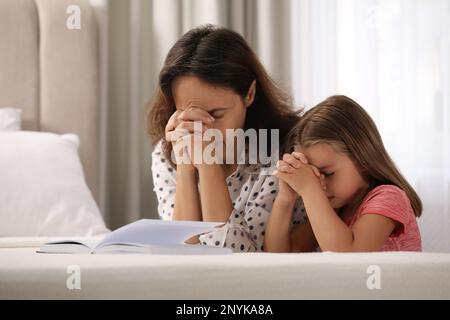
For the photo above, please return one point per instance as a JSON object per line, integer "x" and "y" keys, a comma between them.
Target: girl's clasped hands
{"x": 296, "y": 174}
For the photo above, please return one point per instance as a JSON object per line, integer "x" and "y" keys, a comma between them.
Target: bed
{"x": 50, "y": 72}
{"x": 402, "y": 275}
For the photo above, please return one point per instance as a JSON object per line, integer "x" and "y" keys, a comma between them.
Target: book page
{"x": 157, "y": 232}
{"x": 68, "y": 246}
{"x": 163, "y": 249}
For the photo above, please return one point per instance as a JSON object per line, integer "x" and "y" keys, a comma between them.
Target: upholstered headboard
{"x": 51, "y": 72}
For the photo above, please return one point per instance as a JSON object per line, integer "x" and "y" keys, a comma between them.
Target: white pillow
{"x": 10, "y": 119}
{"x": 42, "y": 187}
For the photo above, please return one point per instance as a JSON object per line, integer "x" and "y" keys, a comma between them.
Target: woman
{"x": 211, "y": 76}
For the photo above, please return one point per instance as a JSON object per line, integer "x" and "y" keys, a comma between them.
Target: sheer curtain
{"x": 392, "y": 56}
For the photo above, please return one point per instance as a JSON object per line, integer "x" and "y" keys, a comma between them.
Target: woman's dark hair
{"x": 222, "y": 58}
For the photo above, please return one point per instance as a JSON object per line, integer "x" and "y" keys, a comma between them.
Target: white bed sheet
{"x": 25, "y": 274}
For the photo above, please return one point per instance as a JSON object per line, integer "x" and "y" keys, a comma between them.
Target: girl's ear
{"x": 250, "y": 94}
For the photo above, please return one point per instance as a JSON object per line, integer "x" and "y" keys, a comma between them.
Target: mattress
{"x": 25, "y": 274}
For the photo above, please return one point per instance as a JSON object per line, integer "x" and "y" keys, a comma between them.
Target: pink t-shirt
{"x": 392, "y": 202}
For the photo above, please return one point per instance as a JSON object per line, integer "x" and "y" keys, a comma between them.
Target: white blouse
{"x": 252, "y": 194}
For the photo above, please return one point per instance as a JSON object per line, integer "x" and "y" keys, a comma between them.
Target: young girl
{"x": 355, "y": 198}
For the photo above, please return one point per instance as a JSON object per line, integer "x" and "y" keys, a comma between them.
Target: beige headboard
{"x": 52, "y": 73}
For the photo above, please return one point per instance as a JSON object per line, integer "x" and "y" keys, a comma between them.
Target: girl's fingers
{"x": 300, "y": 156}
{"x": 316, "y": 171}
{"x": 285, "y": 169}
{"x": 280, "y": 163}
{"x": 292, "y": 161}
{"x": 296, "y": 154}
{"x": 196, "y": 114}
{"x": 279, "y": 174}
{"x": 322, "y": 182}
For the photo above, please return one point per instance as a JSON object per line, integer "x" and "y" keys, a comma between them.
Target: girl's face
{"x": 227, "y": 107}
{"x": 343, "y": 179}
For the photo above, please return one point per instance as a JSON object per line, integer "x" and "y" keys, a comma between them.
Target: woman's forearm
{"x": 278, "y": 231}
{"x": 187, "y": 201}
{"x": 214, "y": 195}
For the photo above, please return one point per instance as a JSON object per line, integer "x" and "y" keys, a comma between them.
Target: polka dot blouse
{"x": 252, "y": 194}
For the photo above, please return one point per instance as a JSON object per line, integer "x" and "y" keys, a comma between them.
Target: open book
{"x": 144, "y": 236}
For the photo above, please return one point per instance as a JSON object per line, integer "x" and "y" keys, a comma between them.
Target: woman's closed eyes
{"x": 218, "y": 113}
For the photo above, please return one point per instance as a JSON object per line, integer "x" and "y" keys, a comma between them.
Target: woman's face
{"x": 227, "y": 107}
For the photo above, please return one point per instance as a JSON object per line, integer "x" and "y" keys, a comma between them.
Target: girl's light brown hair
{"x": 345, "y": 125}
{"x": 220, "y": 57}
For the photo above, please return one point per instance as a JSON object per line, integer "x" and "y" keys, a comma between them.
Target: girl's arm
{"x": 332, "y": 234}
{"x": 214, "y": 195}
{"x": 369, "y": 233}
{"x": 302, "y": 238}
{"x": 277, "y": 237}
{"x": 282, "y": 237}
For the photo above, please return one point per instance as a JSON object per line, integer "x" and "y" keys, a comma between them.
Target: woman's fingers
{"x": 186, "y": 128}
{"x": 190, "y": 114}
{"x": 193, "y": 127}
{"x": 173, "y": 136}
{"x": 173, "y": 121}
{"x": 193, "y": 240}
{"x": 196, "y": 114}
